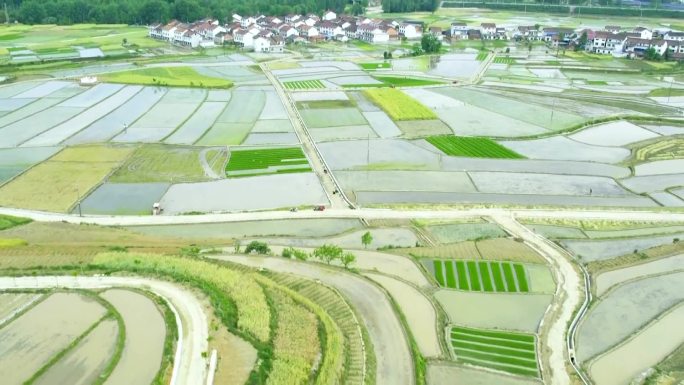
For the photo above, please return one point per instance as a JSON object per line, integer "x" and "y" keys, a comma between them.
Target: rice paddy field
{"x": 471, "y": 147}
{"x": 524, "y": 135}
{"x": 70, "y": 175}
{"x": 82, "y": 337}
{"x": 484, "y": 276}
{"x": 504, "y": 351}
{"x": 266, "y": 161}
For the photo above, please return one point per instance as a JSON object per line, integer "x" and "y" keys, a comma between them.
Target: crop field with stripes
{"x": 487, "y": 276}
{"x": 266, "y": 161}
{"x": 500, "y": 350}
{"x": 304, "y": 85}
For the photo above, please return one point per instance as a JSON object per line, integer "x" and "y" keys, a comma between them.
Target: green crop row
{"x": 520, "y": 345}
{"x": 264, "y": 159}
{"x": 304, "y": 85}
{"x": 506, "y": 351}
{"x": 488, "y": 276}
{"x": 521, "y": 337}
{"x": 473, "y": 147}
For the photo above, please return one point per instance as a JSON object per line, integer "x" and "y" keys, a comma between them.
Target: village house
{"x": 410, "y": 31}
{"x": 329, "y": 15}
{"x": 488, "y": 31}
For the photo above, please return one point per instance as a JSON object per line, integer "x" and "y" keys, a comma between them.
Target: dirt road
{"x": 394, "y": 361}
{"x": 189, "y": 366}
{"x": 567, "y": 298}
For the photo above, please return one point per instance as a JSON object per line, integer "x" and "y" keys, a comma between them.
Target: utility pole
{"x": 6, "y": 14}
{"x": 669, "y": 93}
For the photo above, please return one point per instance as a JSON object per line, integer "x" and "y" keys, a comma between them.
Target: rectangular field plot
{"x": 236, "y": 121}
{"x": 161, "y": 120}
{"x": 505, "y": 351}
{"x": 159, "y": 163}
{"x": 398, "y": 105}
{"x": 488, "y": 276}
{"x": 266, "y": 161}
{"x": 113, "y": 123}
{"x": 304, "y": 85}
{"x": 57, "y": 184}
{"x": 472, "y": 147}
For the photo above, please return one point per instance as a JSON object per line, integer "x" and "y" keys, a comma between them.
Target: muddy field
{"x": 31, "y": 340}
{"x": 521, "y": 312}
{"x": 145, "y": 334}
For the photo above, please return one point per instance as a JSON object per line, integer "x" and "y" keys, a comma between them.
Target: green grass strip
{"x": 496, "y": 358}
{"x": 503, "y": 368}
{"x": 474, "y": 276}
{"x": 486, "y": 276}
{"x": 527, "y": 346}
{"x": 495, "y": 334}
{"x": 510, "y": 279}
{"x": 439, "y": 272}
{"x": 527, "y": 355}
{"x": 450, "y": 277}
{"x": 498, "y": 278}
{"x": 462, "y": 276}
{"x": 522, "y": 277}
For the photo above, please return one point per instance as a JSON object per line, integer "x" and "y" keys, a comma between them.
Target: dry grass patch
{"x": 398, "y": 105}
{"x": 57, "y": 184}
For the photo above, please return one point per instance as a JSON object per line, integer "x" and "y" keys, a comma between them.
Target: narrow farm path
{"x": 208, "y": 169}
{"x": 318, "y": 165}
{"x": 569, "y": 293}
{"x": 393, "y": 356}
{"x": 189, "y": 367}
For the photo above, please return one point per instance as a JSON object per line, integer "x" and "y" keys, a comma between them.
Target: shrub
{"x": 257, "y": 247}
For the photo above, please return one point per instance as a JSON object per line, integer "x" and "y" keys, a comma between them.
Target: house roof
{"x": 488, "y": 25}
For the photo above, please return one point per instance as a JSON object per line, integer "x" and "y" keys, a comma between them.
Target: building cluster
{"x": 271, "y": 33}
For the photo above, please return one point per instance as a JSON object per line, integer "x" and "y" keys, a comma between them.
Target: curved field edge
{"x": 654, "y": 326}
{"x": 331, "y": 363}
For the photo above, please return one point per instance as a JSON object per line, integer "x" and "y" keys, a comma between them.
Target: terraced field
{"x": 488, "y": 276}
{"x": 266, "y": 161}
{"x": 472, "y": 147}
{"x": 499, "y": 350}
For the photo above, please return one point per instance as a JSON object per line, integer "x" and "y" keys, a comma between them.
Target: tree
{"x": 328, "y": 253}
{"x": 31, "y": 12}
{"x": 257, "y": 247}
{"x": 582, "y": 42}
{"x": 430, "y": 44}
{"x": 366, "y": 239}
{"x": 651, "y": 54}
{"x": 236, "y": 245}
{"x": 347, "y": 259}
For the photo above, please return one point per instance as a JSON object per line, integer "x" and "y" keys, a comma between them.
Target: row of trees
{"x": 326, "y": 253}
{"x": 149, "y": 11}
{"x": 410, "y": 5}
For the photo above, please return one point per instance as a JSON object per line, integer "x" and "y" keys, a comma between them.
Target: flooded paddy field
{"x": 521, "y": 312}
{"x": 85, "y": 363}
{"x": 145, "y": 334}
{"x": 32, "y": 339}
{"x": 625, "y": 309}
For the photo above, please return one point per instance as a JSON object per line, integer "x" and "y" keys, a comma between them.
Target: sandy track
{"x": 568, "y": 295}
{"x": 394, "y": 361}
{"x": 189, "y": 366}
